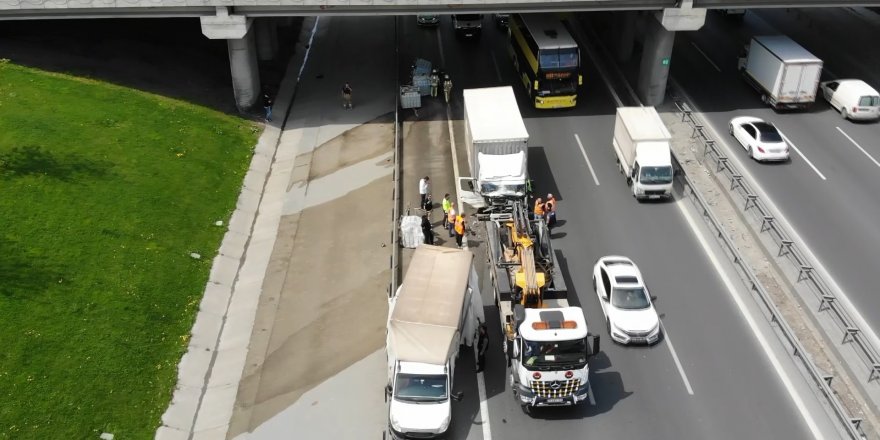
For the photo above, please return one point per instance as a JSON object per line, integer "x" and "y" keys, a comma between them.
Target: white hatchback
{"x": 626, "y": 303}
{"x": 761, "y": 140}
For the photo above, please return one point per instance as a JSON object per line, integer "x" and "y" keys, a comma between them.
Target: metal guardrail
{"x": 786, "y": 248}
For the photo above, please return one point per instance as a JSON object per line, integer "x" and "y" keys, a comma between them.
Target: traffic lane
{"x": 655, "y": 236}
{"x": 836, "y": 215}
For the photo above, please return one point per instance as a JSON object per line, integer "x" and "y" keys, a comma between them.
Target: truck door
{"x": 467, "y": 193}
{"x": 792, "y": 76}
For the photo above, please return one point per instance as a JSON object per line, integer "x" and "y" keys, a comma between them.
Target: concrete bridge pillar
{"x": 267, "y": 38}
{"x": 236, "y": 30}
{"x": 654, "y": 67}
{"x": 657, "y": 48}
{"x": 626, "y": 22}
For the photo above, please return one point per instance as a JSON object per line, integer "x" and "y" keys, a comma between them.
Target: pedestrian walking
{"x": 446, "y": 205}
{"x": 424, "y": 190}
{"x": 346, "y": 95}
{"x": 429, "y": 203}
{"x": 482, "y": 346}
{"x": 447, "y": 87}
{"x": 427, "y": 230}
{"x": 459, "y": 229}
{"x": 450, "y": 222}
{"x": 435, "y": 83}
{"x": 267, "y": 106}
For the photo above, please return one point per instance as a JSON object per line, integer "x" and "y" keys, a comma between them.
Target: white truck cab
{"x": 549, "y": 360}
{"x": 420, "y": 396}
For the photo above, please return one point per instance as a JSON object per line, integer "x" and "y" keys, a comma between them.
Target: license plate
{"x": 557, "y": 400}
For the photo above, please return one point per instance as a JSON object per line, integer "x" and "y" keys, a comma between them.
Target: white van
{"x": 853, "y": 98}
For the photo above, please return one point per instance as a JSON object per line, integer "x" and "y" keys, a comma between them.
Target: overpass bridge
{"x": 249, "y": 25}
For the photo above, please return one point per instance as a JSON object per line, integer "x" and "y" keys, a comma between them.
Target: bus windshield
{"x": 565, "y": 58}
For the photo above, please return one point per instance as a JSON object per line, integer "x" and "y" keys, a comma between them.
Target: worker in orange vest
{"x": 459, "y": 229}
{"x": 550, "y": 209}
{"x": 539, "y": 208}
{"x": 450, "y": 221}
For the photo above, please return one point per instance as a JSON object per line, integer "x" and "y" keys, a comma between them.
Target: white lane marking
{"x": 780, "y": 371}
{"x": 584, "y": 152}
{"x": 684, "y": 378}
{"x": 802, "y": 155}
{"x": 858, "y": 146}
{"x": 705, "y": 56}
{"x": 817, "y": 264}
{"x": 497, "y": 70}
{"x": 484, "y": 407}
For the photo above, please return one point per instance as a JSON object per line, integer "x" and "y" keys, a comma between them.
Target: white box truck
{"x": 641, "y": 142}
{"x": 436, "y": 309}
{"x": 497, "y": 144}
{"x": 786, "y": 75}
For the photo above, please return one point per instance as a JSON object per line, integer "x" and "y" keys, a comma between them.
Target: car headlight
{"x": 444, "y": 424}
{"x": 394, "y": 423}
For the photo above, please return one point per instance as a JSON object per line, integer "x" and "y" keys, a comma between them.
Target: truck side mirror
{"x": 595, "y": 346}
{"x": 516, "y": 348}
{"x": 677, "y": 172}
{"x": 387, "y": 392}
{"x": 458, "y": 396}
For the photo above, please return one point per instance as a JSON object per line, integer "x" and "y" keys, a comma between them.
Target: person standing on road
{"x": 446, "y": 205}
{"x": 447, "y": 87}
{"x": 427, "y": 230}
{"x": 459, "y": 229}
{"x": 435, "y": 83}
{"x": 482, "y": 346}
{"x": 450, "y": 222}
{"x": 550, "y": 209}
{"x": 424, "y": 190}
{"x": 267, "y": 106}
{"x": 539, "y": 208}
{"x": 346, "y": 95}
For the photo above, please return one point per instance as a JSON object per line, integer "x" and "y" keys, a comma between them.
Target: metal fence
{"x": 787, "y": 249}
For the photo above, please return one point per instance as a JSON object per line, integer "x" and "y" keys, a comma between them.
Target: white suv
{"x": 626, "y": 303}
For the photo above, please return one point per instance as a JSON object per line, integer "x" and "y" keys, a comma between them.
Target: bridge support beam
{"x": 236, "y": 30}
{"x": 267, "y": 38}
{"x": 654, "y": 67}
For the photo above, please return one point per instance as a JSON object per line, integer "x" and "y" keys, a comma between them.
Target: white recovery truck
{"x": 436, "y": 309}
{"x": 545, "y": 339}
{"x": 786, "y": 74}
{"x": 497, "y": 144}
{"x": 641, "y": 142}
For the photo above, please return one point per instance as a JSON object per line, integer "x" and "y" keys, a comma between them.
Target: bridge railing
{"x": 791, "y": 251}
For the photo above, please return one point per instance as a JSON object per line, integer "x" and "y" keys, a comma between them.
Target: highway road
{"x": 828, "y": 191}
{"x": 716, "y": 375}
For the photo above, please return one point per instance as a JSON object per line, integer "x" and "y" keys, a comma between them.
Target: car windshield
{"x": 493, "y": 189}
{"x": 629, "y": 298}
{"x": 558, "y": 58}
{"x": 421, "y": 388}
{"x": 549, "y": 353}
{"x": 660, "y": 175}
{"x": 768, "y": 133}
{"x": 869, "y": 101}
{"x": 467, "y": 17}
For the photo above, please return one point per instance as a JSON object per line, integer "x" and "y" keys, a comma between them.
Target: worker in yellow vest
{"x": 459, "y": 229}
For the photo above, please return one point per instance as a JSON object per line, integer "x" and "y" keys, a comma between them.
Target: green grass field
{"x": 104, "y": 193}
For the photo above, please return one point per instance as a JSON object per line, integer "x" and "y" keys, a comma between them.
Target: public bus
{"x": 547, "y": 58}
